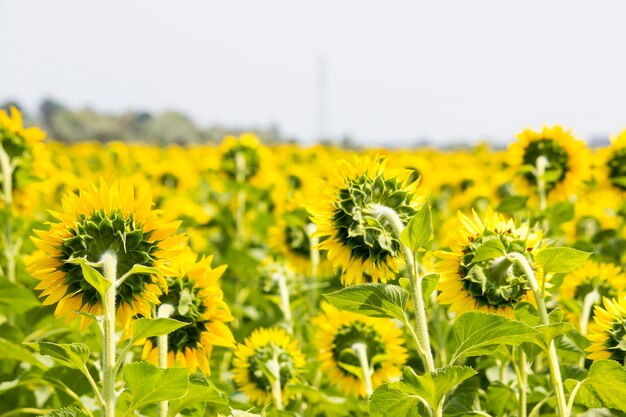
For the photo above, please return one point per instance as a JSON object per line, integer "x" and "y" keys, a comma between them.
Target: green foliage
{"x": 73, "y": 355}
{"x": 473, "y": 339}
{"x": 146, "y": 384}
{"x": 604, "y": 386}
{"x": 419, "y": 231}
{"x": 402, "y": 397}
{"x": 67, "y": 412}
{"x": 561, "y": 260}
{"x": 373, "y": 300}
{"x": 144, "y": 328}
{"x": 92, "y": 276}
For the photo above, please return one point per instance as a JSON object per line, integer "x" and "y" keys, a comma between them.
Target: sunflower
{"x": 14, "y": 138}
{"x": 343, "y": 211}
{"x": 338, "y": 331}
{"x": 240, "y": 156}
{"x": 493, "y": 285}
{"x": 607, "y": 280}
{"x": 102, "y": 220}
{"x": 198, "y": 300}
{"x": 251, "y": 358}
{"x": 607, "y": 333}
{"x": 18, "y": 145}
{"x": 289, "y": 237}
{"x": 568, "y": 159}
{"x": 613, "y": 163}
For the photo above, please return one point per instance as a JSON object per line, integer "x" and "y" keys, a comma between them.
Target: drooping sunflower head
{"x": 605, "y": 279}
{"x": 338, "y": 332}
{"x": 607, "y": 333}
{"x": 614, "y": 163}
{"x": 104, "y": 219}
{"x": 250, "y": 364}
{"x": 240, "y": 156}
{"x": 567, "y": 159}
{"x": 344, "y": 212}
{"x": 470, "y": 280}
{"x": 197, "y": 299}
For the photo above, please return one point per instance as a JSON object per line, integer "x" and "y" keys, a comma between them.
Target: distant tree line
{"x": 168, "y": 127}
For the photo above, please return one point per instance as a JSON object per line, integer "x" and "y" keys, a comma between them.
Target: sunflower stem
{"x": 240, "y": 161}
{"x": 314, "y": 240}
{"x": 361, "y": 350}
{"x": 285, "y": 305}
{"x": 519, "y": 364}
{"x": 588, "y": 303}
{"x": 553, "y": 361}
{"x": 165, "y": 311}
{"x": 7, "y": 197}
{"x": 416, "y": 284}
{"x": 541, "y": 165}
{"x": 109, "y": 271}
{"x": 274, "y": 367}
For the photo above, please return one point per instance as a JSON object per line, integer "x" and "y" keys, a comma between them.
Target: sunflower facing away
{"x": 97, "y": 221}
{"x": 14, "y": 138}
{"x": 613, "y": 169}
{"x": 568, "y": 159}
{"x": 607, "y": 333}
{"x": 493, "y": 285}
{"x": 252, "y": 356}
{"x": 198, "y": 300}
{"x": 344, "y": 214}
{"x": 338, "y": 331}
{"x": 607, "y": 280}
{"x": 240, "y": 156}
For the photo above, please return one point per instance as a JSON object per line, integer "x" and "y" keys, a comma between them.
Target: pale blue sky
{"x": 397, "y": 70}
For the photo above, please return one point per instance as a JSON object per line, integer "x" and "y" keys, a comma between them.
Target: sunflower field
{"x": 251, "y": 280}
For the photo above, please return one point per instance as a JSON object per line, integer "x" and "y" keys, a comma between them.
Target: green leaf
{"x": 142, "y": 269}
{"x": 501, "y": 399}
{"x": 66, "y": 412}
{"x": 561, "y": 260}
{"x": 419, "y": 231}
{"x": 552, "y": 175}
{"x": 489, "y": 249}
{"x": 148, "y": 384}
{"x": 73, "y": 355}
{"x": 478, "y": 333}
{"x": 9, "y": 350}
{"x": 144, "y": 328}
{"x": 512, "y": 204}
{"x": 92, "y": 276}
{"x": 197, "y": 393}
{"x": 621, "y": 181}
{"x": 550, "y": 331}
{"x": 386, "y": 401}
{"x": 16, "y": 300}
{"x": 429, "y": 283}
{"x": 604, "y": 386}
{"x": 401, "y": 398}
{"x": 373, "y": 300}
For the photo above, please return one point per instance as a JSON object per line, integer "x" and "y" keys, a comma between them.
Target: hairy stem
{"x": 109, "y": 267}
{"x": 285, "y": 305}
{"x": 361, "y": 351}
{"x": 7, "y": 197}
{"x": 416, "y": 285}
{"x": 274, "y": 368}
{"x": 553, "y": 361}
{"x": 311, "y": 228}
{"x": 164, "y": 311}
